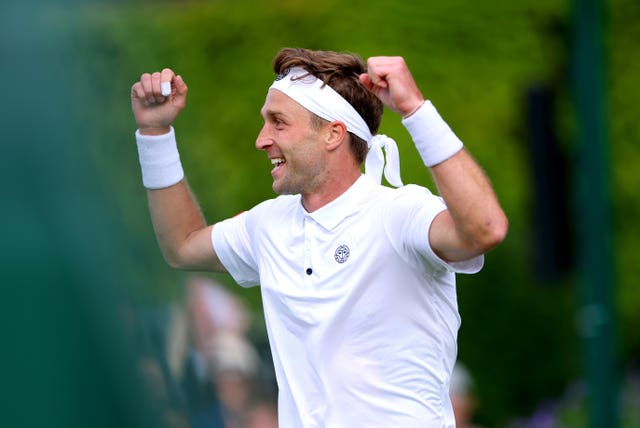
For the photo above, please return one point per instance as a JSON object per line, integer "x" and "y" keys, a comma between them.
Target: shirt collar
{"x": 330, "y": 215}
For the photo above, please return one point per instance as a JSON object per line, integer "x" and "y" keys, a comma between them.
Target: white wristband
{"x": 433, "y": 138}
{"x": 159, "y": 160}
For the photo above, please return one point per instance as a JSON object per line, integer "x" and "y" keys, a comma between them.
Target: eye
{"x": 275, "y": 120}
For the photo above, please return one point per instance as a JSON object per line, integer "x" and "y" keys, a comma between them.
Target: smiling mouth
{"x": 277, "y": 162}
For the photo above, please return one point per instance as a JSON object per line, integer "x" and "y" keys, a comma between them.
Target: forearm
{"x": 180, "y": 228}
{"x": 474, "y": 221}
{"x": 471, "y": 201}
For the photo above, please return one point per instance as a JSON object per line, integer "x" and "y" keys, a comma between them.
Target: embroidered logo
{"x": 342, "y": 254}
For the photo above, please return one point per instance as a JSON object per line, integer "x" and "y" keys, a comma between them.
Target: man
{"x": 357, "y": 279}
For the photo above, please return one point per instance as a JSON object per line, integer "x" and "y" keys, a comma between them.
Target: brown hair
{"x": 340, "y": 71}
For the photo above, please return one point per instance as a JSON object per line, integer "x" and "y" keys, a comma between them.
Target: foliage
{"x": 475, "y": 60}
{"x": 571, "y": 409}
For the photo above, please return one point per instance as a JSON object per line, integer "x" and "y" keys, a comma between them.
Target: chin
{"x": 283, "y": 189}
{"x": 284, "y": 192}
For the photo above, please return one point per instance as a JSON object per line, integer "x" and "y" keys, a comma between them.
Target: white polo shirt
{"x": 361, "y": 314}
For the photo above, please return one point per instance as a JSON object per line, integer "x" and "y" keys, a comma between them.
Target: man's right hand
{"x": 154, "y": 113}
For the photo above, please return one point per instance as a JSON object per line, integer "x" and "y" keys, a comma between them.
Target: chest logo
{"x": 342, "y": 254}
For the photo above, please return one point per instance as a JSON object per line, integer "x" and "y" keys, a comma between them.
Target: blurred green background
{"x": 80, "y": 256}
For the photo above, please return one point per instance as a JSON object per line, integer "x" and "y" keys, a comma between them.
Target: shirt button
{"x": 309, "y": 271}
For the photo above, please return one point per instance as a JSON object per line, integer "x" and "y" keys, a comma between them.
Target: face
{"x": 292, "y": 144}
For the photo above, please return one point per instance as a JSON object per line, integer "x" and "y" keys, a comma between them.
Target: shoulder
{"x": 409, "y": 211}
{"x": 413, "y": 190}
{"x": 273, "y": 208}
{"x": 411, "y": 197}
{"x": 246, "y": 225}
{"x": 280, "y": 202}
{"x": 394, "y": 202}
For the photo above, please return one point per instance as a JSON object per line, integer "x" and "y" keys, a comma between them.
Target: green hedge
{"x": 475, "y": 60}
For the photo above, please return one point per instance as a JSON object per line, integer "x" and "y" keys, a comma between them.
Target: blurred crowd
{"x": 200, "y": 364}
{"x": 203, "y": 370}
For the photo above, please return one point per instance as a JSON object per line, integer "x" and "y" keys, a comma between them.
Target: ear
{"x": 336, "y": 134}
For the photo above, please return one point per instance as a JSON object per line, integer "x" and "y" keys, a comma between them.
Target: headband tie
{"x": 317, "y": 97}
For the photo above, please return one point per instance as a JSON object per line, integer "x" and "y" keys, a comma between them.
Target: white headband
{"x": 312, "y": 94}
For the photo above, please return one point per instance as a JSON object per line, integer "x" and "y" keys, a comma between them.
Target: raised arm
{"x": 180, "y": 228}
{"x": 474, "y": 222}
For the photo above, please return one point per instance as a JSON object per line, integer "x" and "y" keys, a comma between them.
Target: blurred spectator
{"x": 168, "y": 405}
{"x": 199, "y": 367}
{"x": 227, "y": 387}
{"x": 234, "y": 365}
{"x": 462, "y": 395}
{"x": 212, "y": 308}
{"x": 262, "y": 414}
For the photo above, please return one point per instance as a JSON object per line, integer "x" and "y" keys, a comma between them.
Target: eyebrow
{"x": 272, "y": 114}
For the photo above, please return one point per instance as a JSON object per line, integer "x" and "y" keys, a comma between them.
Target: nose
{"x": 263, "y": 141}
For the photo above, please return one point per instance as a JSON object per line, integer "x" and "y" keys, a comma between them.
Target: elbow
{"x": 194, "y": 254}
{"x": 493, "y": 232}
{"x": 178, "y": 264}
{"x": 174, "y": 264}
{"x": 174, "y": 259}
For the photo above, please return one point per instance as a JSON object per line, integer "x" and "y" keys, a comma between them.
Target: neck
{"x": 330, "y": 191}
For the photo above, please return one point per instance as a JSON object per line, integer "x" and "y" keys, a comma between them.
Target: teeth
{"x": 277, "y": 161}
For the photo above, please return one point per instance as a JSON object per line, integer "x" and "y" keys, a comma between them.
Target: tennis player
{"x": 357, "y": 279}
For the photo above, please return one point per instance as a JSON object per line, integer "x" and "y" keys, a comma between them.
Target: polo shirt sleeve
{"x": 410, "y": 217}
{"x": 233, "y": 247}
